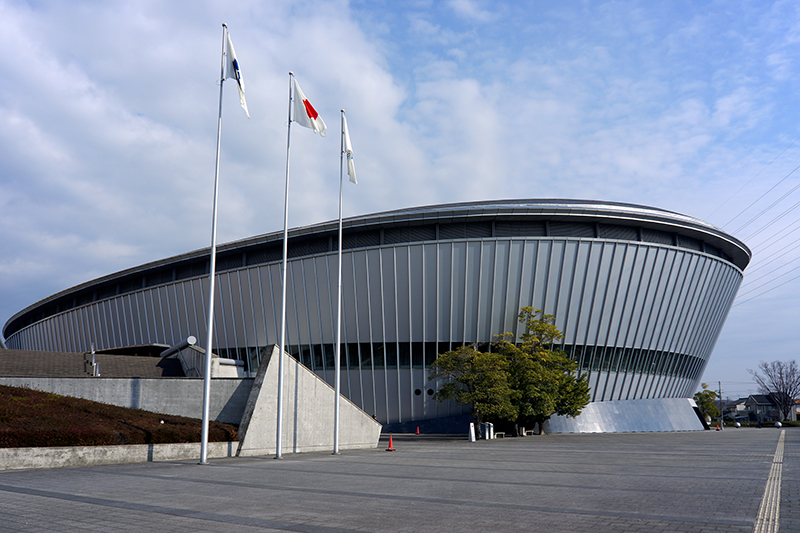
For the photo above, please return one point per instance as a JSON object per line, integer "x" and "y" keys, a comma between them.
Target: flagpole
{"x": 338, "y": 369}
{"x": 212, "y": 272}
{"x": 279, "y": 429}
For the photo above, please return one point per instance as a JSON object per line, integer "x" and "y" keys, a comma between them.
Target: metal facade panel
{"x": 326, "y": 282}
{"x": 401, "y": 290}
{"x": 257, "y": 305}
{"x": 181, "y": 312}
{"x": 555, "y": 277}
{"x": 653, "y": 300}
{"x": 529, "y": 252}
{"x": 311, "y": 301}
{"x": 458, "y": 285}
{"x": 444, "y": 287}
{"x": 388, "y": 296}
{"x": 613, "y": 258}
{"x": 472, "y": 291}
{"x": 171, "y": 309}
{"x": 416, "y": 292}
{"x": 486, "y": 274}
{"x": 568, "y": 273}
{"x": 349, "y": 313}
{"x": 375, "y": 295}
{"x": 430, "y": 292}
{"x": 642, "y": 318}
{"x": 541, "y": 275}
{"x": 585, "y": 304}
{"x": 573, "y": 334}
{"x": 362, "y": 297}
{"x": 499, "y": 290}
{"x": 516, "y": 274}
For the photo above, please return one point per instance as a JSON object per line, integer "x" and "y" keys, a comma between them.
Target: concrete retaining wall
{"x": 308, "y": 413}
{"x": 66, "y": 456}
{"x": 169, "y": 396}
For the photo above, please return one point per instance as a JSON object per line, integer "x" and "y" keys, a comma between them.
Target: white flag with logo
{"x": 232, "y": 71}
{"x": 348, "y": 150}
{"x": 304, "y": 112}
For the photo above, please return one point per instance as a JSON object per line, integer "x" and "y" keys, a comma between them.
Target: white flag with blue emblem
{"x": 232, "y": 71}
{"x": 348, "y": 150}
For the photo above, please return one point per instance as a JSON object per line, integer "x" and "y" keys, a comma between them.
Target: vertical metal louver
{"x": 572, "y": 229}
{"x": 691, "y": 244}
{"x": 409, "y": 234}
{"x": 471, "y": 230}
{"x": 360, "y": 239}
{"x": 519, "y": 229}
{"x": 660, "y": 237}
{"x": 613, "y": 231}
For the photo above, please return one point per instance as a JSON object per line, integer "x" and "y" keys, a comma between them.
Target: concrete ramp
{"x": 654, "y": 414}
{"x": 308, "y": 410}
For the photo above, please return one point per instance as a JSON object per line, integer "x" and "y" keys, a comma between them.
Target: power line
{"x": 737, "y": 304}
{"x": 751, "y": 280}
{"x": 751, "y": 180}
{"x": 774, "y": 235}
{"x": 773, "y": 204}
{"x": 777, "y": 255}
{"x": 767, "y": 283}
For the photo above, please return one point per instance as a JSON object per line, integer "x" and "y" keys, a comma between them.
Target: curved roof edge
{"x": 548, "y": 209}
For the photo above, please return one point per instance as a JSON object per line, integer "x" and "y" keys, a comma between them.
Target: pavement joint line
{"x": 768, "y": 520}
{"x": 177, "y": 512}
{"x": 419, "y": 491}
{"x": 504, "y": 482}
{"x": 457, "y": 503}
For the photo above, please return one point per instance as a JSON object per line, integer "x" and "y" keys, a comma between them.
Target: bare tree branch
{"x": 781, "y": 381}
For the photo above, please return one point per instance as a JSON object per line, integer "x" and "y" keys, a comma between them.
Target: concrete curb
{"x": 71, "y": 456}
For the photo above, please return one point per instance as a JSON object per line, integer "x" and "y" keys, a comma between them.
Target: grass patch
{"x": 31, "y": 418}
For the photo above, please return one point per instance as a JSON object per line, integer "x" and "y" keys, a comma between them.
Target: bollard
{"x": 472, "y": 432}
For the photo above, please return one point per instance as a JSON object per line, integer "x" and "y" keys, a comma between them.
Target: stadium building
{"x": 641, "y": 295}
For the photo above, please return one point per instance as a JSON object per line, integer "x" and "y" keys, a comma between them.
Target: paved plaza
{"x": 649, "y": 482}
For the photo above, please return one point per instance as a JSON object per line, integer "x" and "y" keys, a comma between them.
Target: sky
{"x": 108, "y": 125}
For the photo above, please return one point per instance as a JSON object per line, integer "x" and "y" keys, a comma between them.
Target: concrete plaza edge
{"x": 72, "y": 456}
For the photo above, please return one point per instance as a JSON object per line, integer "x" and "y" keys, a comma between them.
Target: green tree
{"x": 543, "y": 379}
{"x": 477, "y": 379}
{"x": 524, "y": 383}
{"x": 705, "y": 401}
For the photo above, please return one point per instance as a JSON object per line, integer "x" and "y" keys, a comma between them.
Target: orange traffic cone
{"x": 390, "y": 448}
{"x": 717, "y": 427}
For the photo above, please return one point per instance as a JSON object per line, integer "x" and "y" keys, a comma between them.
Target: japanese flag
{"x": 304, "y": 112}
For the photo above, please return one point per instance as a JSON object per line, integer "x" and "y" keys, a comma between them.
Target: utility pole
{"x": 721, "y": 424}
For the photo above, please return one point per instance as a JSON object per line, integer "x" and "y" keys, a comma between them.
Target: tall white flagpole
{"x": 338, "y": 370}
{"x": 212, "y": 272}
{"x": 279, "y": 429}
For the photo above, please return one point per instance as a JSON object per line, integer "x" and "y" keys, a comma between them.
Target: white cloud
{"x": 108, "y": 115}
{"x": 471, "y": 10}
